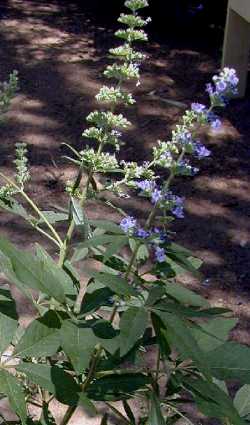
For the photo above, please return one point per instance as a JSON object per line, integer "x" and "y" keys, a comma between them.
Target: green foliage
{"x": 112, "y": 295}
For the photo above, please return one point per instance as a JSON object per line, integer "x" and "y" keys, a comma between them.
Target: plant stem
{"x": 71, "y": 409}
{"x": 69, "y": 234}
{"x": 34, "y": 207}
{"x": 68, "y": 415}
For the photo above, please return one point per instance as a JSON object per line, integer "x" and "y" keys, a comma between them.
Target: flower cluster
{"x": 224, "y": 85}
{"x": 101, "y": 163}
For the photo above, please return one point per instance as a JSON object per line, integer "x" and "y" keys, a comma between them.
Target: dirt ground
{"x": 59, "y": 50}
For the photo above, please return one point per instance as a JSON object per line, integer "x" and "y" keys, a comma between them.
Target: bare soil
{"x": 59, "y": 49}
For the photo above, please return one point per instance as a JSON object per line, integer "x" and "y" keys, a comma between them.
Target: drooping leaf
{"x": 230, "y": 361}
{"x": 30, "y": 271}
{"x": 242, "y": 401}
{"x": 179, "y": 335}
{"x": 41, "y": 338}
{"x": 117, "y": 386}
{"x": 155, "y": 414}
{"x": 10, "y": 387}
{"x": 58, "y": 273}
{"x": 212, "y": 401}
{"x": 8, "y": 319}
{"x": 213, "y": 333}
{"x": 133, "y": 323}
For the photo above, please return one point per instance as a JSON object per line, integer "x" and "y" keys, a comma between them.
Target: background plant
{"x": 91, "y": 345}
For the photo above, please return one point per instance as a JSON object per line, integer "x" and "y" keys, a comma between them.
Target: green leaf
{"x": 242, "y": 401}
{"x": 53, "y": 217}
{"x": 179, "y": 334}
{"x": 117, "y": 284}
{"x": 10, "y": 387}
{"x": 115, "y": 247}
{"x": 30, "y": 271}
{"x": 155, "y": 414}
{"x": 41, "y": 338}
{"x": 214, "y": 333}
{"x": 133, "y": 324}
{"x": 185, "y": 296}
{"x": 98, "y": 240}
{"x": 60, "y": 276}
{"x": 212, "y": 401}
{"x": 80, "y": 218}
{"x": 53, "y": 379}
{"x": 117, "y": 386}
{"x": 8, "y": 319}
{"x": 95, "y": 298}
{"x": 79, "y": 342}
{"x": 79, "y": 254}
{"x": 230, "y": 361}
{"x": 109, "y": 226}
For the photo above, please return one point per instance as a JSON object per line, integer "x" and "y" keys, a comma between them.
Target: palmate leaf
{"x": 41, "y": 338}
{"x": 8, "y": 319}
{"x": 133, "y": 324}
{"x": 212, "y": 401}
{"x": 10, "y": 387}
{"x": 230, "y": 361}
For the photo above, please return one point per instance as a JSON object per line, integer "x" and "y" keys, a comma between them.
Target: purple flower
{"x": 141, "y": 233}
{"x": 198, "y": 108}
{"x": 216, "y": 124}
{"x": 162, "y": 235}
{"x": 160, "y": 255}
{"x": 184, "y": 138}
{"x": 185, "y": 169}
{"x": 221, "y": 86}
{"x": 178, "y": 207}
{"x": 146, "y": 185}
{"x": 127, "y": 224}
{"x": 201, "y": 151}
{"x": 156, "y": 196}
{"x": 209, "y": 89}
